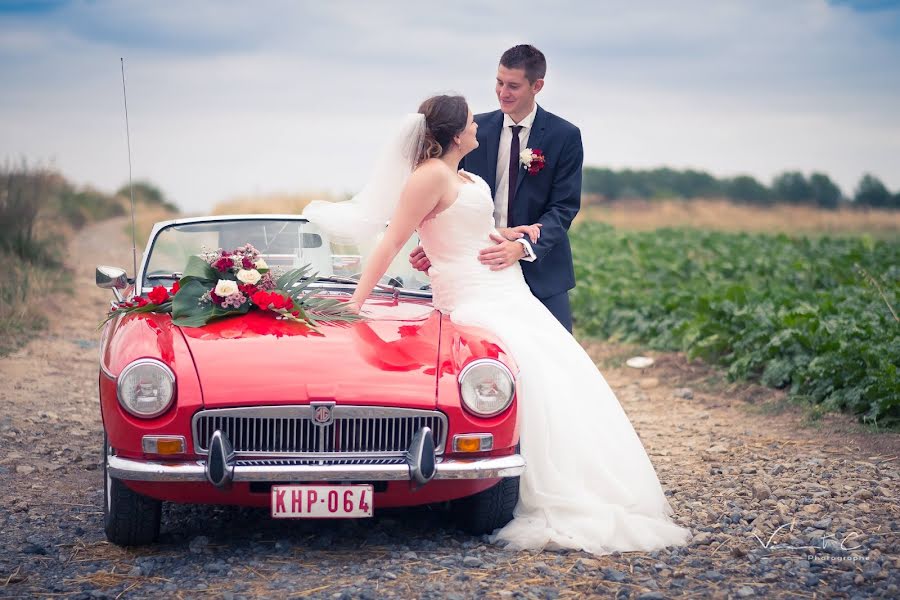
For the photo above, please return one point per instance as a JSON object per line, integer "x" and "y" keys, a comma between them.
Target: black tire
{"x": 488, "y": 510}
{"x": 129, "y": 518}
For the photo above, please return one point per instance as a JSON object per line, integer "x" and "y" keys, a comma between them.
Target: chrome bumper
{"x": 478, "y": 468}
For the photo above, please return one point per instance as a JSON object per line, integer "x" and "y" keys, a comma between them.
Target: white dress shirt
{"x": 501, "y": 195}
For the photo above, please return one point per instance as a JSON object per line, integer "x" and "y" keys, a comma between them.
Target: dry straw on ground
{"x": 723, "y": 215}
{"x": 643, "y": 215}
{"x": 284, "y": 204}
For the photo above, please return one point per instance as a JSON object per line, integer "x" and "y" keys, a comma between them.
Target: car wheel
{"x": 129, "y": 518}
{"x": 488, "y": 510}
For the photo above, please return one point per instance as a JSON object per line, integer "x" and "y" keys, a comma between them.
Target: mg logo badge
{"x": 323, "y": 413}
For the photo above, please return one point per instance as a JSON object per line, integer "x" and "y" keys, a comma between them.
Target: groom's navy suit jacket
{"x": 551, "y": 197}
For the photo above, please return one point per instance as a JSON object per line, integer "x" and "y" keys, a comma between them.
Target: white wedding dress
{"x": 588, "y": 483}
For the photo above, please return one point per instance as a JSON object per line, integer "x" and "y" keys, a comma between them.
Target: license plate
{"x": 321, "y": 501}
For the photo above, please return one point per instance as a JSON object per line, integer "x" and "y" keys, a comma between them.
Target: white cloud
{"x": 235, "y": 98}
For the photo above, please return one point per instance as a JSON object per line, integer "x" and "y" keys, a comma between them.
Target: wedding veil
{"x": 361, "y": 219}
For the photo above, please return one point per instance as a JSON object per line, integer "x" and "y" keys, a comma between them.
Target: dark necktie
{"x": 513, "y": 171}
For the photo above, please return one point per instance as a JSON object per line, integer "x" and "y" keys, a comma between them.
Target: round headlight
{"x": 486, "y": 387}
{"x": 146, "y": 388}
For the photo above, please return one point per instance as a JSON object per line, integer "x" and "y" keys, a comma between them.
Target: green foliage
{"x": 146, "y": 193}
{"x": 816, "y": 317}
{"x": 80, "y": 207}
{"x": 872, "y": 192}
{"x": 825, "y": 192}
{"x": 792, "y": 187}
{"x": 656, "y": 183}
{"x": 744, "y": 188}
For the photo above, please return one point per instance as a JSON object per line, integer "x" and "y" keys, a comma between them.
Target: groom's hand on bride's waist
{"x": 418, "y": 260}
{"x": 503, "y": 254}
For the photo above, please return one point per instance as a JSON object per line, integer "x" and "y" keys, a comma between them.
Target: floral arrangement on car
{"x": 222, "y": 283}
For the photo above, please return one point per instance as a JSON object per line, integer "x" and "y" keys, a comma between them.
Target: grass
{"x": 144, "y": 219}
{"x": 24, "y": 290}
{"x": 722, "y": 215}
{"x": 39, "y": 212}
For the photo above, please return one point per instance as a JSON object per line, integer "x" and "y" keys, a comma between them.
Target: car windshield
{"x": 285, "y": 244}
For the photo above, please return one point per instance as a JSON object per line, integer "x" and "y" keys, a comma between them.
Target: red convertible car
{"x": 399, "y": 409}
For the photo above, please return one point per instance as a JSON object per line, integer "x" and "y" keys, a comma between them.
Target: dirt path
{"x": 739, "y": 464}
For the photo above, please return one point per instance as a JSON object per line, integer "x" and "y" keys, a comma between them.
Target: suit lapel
{"x": 491, "y": 138}
{"x": 534, "y": 141}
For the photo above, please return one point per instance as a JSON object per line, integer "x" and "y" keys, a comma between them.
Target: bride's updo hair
{"x": 445, "y": 116}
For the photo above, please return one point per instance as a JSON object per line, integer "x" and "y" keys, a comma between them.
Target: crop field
{"x": 817, "y": 316}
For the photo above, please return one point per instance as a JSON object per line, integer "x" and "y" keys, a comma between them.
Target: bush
{"x": 825, "y": 192}
{"x": 744, "y": 188}
{"x": 79, "y": 208}
{"x": 792, "y": 187}
{"x": 871, "y": 192}
{"x": 24, "y": 193}
{"x": 146, "y": 193}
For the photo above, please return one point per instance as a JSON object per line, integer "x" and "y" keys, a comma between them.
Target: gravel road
{"x": 781, "y": 507}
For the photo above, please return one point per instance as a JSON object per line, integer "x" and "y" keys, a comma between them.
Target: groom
{"x": 548, "y": 193}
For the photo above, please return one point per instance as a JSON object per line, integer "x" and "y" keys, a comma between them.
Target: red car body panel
{"x": 282, "y": 362}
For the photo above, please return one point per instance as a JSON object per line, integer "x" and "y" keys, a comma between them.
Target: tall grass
{"x": 39, "y": 210}
{"x": 286, "y": 204}
{"x": 24, "y": 290}
{"x": 723, "y": 215}
{"x": 24, "y": 193}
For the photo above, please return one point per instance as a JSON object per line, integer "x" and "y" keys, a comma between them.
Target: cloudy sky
{"x": 237, "y": 98}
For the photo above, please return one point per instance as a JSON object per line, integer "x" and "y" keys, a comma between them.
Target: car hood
{"x": 389, "y": 358}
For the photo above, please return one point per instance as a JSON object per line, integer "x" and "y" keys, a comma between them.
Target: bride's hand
{"x": 353, "y": 306}
{"x": 514, "y": 233}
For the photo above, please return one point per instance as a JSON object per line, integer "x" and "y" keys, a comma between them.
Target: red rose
{"x": 248, "y": 289}
{"x": 287, "y": 303}
{"x": 158, "y": 295}
{"x": 247, "y": 263}
{"x": 262, "y": 299}
{"x": 223, "y": 264}
{"x": 140, "y": 301}
{"x": 538, "y": 161}
{"x": 175, "y": 287}
{"x": 214, "y": 297}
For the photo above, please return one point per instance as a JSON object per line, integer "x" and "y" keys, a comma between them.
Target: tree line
{"x": 789, "y": 187}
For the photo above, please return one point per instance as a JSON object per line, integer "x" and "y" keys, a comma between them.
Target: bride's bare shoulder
{"x": 431, "y": 172}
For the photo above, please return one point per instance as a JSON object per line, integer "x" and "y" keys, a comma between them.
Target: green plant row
{"x": 815, "y": 316}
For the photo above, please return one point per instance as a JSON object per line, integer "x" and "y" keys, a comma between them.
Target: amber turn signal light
{"x": 163, "y": 444}
{"x": 473, "y": 442}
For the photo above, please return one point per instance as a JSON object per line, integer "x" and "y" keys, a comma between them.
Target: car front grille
{"x": 356, "y": 432}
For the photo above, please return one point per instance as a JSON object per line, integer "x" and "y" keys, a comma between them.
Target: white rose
{"x": 260, "y": 264}
{"x": 225, "y": 288}
{"x": 525, "y": 156}
{"x": 250, "y": 276}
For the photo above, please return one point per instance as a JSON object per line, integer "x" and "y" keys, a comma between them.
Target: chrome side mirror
{"x": 112, "y": 278}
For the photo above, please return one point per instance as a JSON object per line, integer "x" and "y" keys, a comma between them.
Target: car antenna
{"x": 130, "y": 184}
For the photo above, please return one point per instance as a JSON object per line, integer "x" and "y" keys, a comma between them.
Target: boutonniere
{"x": 533, "y": 160}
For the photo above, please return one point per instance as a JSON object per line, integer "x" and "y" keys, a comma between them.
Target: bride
{"x": 588, "y": 483}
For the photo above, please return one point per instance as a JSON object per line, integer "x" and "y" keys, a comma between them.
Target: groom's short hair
{"x": 527, "y": 57}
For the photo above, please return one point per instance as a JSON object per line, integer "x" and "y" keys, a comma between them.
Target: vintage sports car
{"x": 402, "y": 408}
